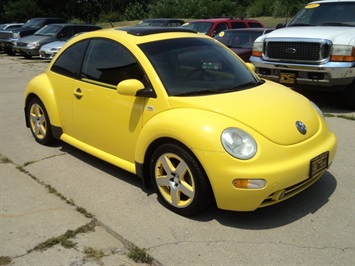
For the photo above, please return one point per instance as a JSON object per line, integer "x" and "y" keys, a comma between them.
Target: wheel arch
{"x": 39, "y": 87}
{"x": 142, "y": 170}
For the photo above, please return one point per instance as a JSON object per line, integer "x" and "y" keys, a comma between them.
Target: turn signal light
{"x": 249, "y": 183}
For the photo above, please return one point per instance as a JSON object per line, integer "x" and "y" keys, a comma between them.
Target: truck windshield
{"x": 326, "y": 14}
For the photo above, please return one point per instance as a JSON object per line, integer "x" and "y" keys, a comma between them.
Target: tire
{"x": 348, "y": 96}
{"x": 39, "y": 122}
{"x": 27, "y": 56}
{"x": 9, "y": 52}
{"x": 179, "y": 180}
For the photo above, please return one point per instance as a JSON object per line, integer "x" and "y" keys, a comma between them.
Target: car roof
{"x": 328, "y": 1}
{"x": 221, "y": 19}
{"x": 163, "y": 19}
{"x": 249, "y": 29}
{"x": 138, "y": 35}
{"x": 72, "y": 24}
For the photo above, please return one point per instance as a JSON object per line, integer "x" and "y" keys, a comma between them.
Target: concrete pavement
{"x": 314, "y": 228}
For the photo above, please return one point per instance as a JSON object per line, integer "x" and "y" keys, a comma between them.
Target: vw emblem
{"x": 301, "y": 127}
{"x": 290, "y": 50}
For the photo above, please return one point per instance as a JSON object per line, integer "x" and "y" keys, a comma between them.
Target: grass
{"x": 139, "y": 255}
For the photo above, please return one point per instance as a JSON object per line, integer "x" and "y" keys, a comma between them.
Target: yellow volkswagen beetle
{"x": 185, "y": 114}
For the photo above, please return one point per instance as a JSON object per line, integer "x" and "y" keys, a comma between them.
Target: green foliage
{"x": 134, "y": 11}
{"x": 21, "y": 10}
{"x": 260, "y": 8}
{"x": 92, "y": 11}
{"x": 192, "y": 8}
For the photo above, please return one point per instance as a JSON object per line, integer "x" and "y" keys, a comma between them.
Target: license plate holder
{"x": 319, "y": 164}
{"x": 287, "y": 78}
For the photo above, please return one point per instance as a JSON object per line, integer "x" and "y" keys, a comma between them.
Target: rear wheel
{"x": 179, "y": 180}
{"x": 39, "y": 122}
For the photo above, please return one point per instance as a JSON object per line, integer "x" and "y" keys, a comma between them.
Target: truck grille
{"x": 297, "y": 51}
{"x": 5, "y": 35}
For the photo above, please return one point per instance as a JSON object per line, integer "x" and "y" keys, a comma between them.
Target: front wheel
{"x": 348, "y": 96}
{"x": 39, "y": 122}
{"x": 179, "y": 180}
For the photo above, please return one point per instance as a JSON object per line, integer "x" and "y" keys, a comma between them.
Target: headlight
{"x": 257, "y": 48}
{"x": 33, "y": 44}
{"x": 238, "y": 143}
{"x": 343, "y": 53}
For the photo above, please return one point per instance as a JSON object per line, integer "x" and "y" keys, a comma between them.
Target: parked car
{"x": 8, "y": 38}
{"x": 185, "y": 114}
{"x": 29, "y": 46}
{"x": 213, "y": 26}
{"x": 316, "y": 51}
{"x": 49, "y": 50}
{"x": 161, "y": 22}
{"x": 241, "y": 41}
{"x": 10, "y": 26}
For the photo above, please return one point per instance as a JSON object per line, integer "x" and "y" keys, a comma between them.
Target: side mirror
{"x": 250, "y": 66}
{"x": 133, "y": 87}
{"x": 129, "y": 87}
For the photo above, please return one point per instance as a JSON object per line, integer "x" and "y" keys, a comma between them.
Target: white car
{"x": 49, "y": 50}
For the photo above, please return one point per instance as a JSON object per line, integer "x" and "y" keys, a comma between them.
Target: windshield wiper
{"x": 200, "y": 92}
{"x": 299, "y": 24}
{"x": 247, "y": 85}
{"x": 335, "y": 24}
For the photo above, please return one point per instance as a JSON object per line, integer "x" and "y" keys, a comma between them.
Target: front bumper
{"x": 332, "y": 76}
{"x": 25, "y": 50}
{"x": 286, "y": 170}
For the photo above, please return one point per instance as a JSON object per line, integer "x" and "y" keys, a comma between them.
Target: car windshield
{"x": 34, "y": 23}
{"x": 238, "y": 39}
{"x": 326, "y": 14}
{"x": 49, "y": 30}
{"x": 196, "y": 66}
{"x": 199, "y": 26}
{"x": 152, "y": 23}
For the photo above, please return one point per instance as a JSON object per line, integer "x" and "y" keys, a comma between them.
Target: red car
{"x": 241, "y": 41}
{"x": 213, "y": 26}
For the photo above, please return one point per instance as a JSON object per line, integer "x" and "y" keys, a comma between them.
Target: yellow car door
{"x": 104, "y": 119}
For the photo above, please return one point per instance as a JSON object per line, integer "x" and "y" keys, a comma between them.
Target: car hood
{"x": 270, "y": 109}
{"x": 37, "y": 38}
{"x": 336, "y": 34}
{"x": 57, "y": 44}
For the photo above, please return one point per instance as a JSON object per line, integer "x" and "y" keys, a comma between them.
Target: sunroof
{"x": 142, "y": 31}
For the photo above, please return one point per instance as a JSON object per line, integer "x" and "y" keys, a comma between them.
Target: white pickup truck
{"x": 315, "y": 51}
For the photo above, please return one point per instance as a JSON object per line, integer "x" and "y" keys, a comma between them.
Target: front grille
{"x": 297, "y": 51}
{"x": 291, "y": 191}
{"x": 21, "y": 44}
{"x": 5, "y": 35}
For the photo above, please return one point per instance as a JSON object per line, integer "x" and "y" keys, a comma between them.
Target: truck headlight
{"x": 238, "y": 143}
{"x": 257, "y": 49}
{"x": 343, "y": 53}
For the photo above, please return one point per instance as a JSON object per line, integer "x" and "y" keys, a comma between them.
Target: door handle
{"x": 78, "y": 93}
